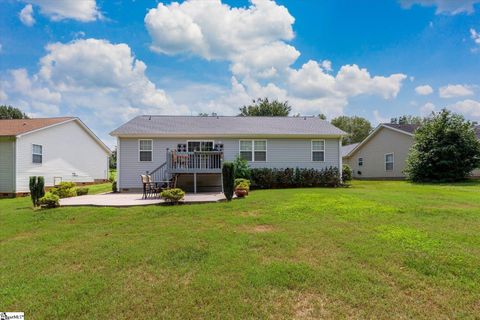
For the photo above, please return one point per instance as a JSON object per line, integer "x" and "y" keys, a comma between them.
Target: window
{"x": 389, "y": 162}
{"x": 253, "y": 150}
{"x": 37, "y": 153}
{"x": 145, "y": 149}
{"x": 360, "y": 162}
{"x": 318, "y": 150}
{"x": 200, "y": 146}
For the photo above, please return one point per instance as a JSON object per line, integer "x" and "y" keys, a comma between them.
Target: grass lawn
{"x": 375, "y": 250}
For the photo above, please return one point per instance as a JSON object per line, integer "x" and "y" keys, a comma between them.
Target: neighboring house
{"x": 382, "y": 154}
{"x": 59, "y": 149}
{"x": 193, "y": 148}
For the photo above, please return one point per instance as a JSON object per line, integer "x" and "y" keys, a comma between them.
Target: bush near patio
{"x": 266, "y": 178}
{"x": 173, "y": 195}
{"x": 64, "y": 190}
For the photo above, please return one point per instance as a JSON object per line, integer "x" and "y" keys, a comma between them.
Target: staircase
{"x": 162, "y": 174}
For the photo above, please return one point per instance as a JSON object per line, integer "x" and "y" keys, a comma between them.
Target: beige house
{"x": 382, "y": 154}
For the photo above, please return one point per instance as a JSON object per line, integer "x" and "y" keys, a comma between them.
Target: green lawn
{"x": 375, "y": 250}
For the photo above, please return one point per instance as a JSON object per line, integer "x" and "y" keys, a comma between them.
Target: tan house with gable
{"x": 382, "y": 154}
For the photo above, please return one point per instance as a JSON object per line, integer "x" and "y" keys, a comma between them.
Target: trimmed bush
{"x": 242, "y": 170}
{"x": 82, "y": 191}
{"x": 64, "y": 190}
{"x": 243, "y": 186}
{"x": 173, "y": 195}
{"x": 346, "y": 173}
{"x": 37, "y": 189}
{"x": 114, "y": 186}
{"x": 265, "y": 178}
{"x": 50, "y": 200}
{"x": 228, "y": 172}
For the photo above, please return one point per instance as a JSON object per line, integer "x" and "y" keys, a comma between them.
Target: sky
{"x": 109, "y": 61}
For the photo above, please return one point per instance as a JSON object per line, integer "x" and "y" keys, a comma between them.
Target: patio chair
{"x": 147, "y": 186}
{"x": 155, "y": 188}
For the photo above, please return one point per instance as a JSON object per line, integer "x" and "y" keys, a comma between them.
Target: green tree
{"x": 445, "y": 149}
{"x": 407, "y": 119}
{"x": 358, "y": 128}
{"x": 322, "y": 116}
{"x": 9, "y": 112}
{"x": 264, "y": 108}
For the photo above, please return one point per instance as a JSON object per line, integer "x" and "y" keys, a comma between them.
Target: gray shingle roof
{"x": 349, "y": 147}
{"x": 410, "y": 128}
{"x": 226, "y": 126}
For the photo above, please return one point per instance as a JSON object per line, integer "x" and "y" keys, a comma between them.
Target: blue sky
{"x": 107, "y": 61}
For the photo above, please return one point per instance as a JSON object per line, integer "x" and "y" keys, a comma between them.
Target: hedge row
{"x": 265, "y": 178}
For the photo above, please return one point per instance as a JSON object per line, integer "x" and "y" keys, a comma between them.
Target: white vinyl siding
{"x": 253, "y": 150}
{"x": 280, "y": 153}
{"x": 37, "y": 153}
{"x": 389, "y": 162}
{"x": 145, "y": 150}
{"x": 69, "y": 153}
{"x": 318, "y": 150}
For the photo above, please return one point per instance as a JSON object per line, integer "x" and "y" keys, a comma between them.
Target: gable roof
{"x": 14, "y": 127}
{"x": 19, "y": 127}
{"x": 407, "y": 129}
{"x": 226, "y": 126}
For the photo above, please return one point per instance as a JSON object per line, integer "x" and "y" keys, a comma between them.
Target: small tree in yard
{"x": 37, "y": 189}
{"x": 228, "y": 173}
{"x": 445, "y": 149}
{"x": 242, "y": 170}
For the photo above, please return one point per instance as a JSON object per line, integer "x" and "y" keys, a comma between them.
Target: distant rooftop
{"x": 410, "y": 128}
{"x": 349, "y": 147}
{"x": 234, "y": 126}
{"x": 18, "y": 126}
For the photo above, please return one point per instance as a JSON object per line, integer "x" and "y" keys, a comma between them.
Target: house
{"x": 191, "y": 149}
{"x": 59, "y": 149}
{"x": 382, "y": 154}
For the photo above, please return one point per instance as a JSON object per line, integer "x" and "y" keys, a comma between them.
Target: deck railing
{"x": 194, "y": 162}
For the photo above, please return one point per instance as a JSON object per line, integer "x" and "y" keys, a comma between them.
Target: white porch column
{"x": 195, "y": 183}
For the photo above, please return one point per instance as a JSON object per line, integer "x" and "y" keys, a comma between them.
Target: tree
{"x": 358, "y": 128}
{"x": 113, "y": 159}
{"x": 322, "y": 116}
{"x": 228, "y": 179}
{"x": 445, "y": 149}
{"x": 9, "y": 112}
{"x": 265, "y": 108}
{"x": 407, "y": 119}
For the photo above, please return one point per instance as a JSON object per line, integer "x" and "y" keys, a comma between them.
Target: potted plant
{"x": 241, "y": 190}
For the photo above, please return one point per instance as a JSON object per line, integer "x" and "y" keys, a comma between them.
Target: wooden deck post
{"x": 195, "y": 182}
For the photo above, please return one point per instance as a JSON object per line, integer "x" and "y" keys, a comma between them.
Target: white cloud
{"x": 427, "y": 109}
{"x": 379, "y": 118}
{"x": 80, "y": 10}
{"x": 467, "y": 107}
{"x": 450, "y": 7}
{"x": 254, "y": 41}
{"x": 424, "y": 90}
{"x": 475, "y": 36}
{"x": 26, "y": 15}
{"x": 214, "y": 30}
{"x": 99, "y": 81}
{"x": 457, "y": 90}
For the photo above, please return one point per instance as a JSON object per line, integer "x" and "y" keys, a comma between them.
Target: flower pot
{"x": 240, "y": 193}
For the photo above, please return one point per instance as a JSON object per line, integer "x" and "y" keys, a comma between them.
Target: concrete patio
{"x": 135, "y": 199}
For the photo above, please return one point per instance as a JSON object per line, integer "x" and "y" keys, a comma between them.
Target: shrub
{"x": 173, "y": 195}
{"x": 114, "y": 186}
{"x": 265, "y": 178}
{"x": 242, "y": 170}
{"x": 445, "y": 149}
{"x": 243, "y": 186}
{"x": 228, "y": 172}
{"x": 37, "y": 189}
{"x": 346, "y": 173}
{"x": 50, "y": 200}
{"x": 241, "y": 180}
{"x": 82, "y": 191}
{"x": 64, "y": 190}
